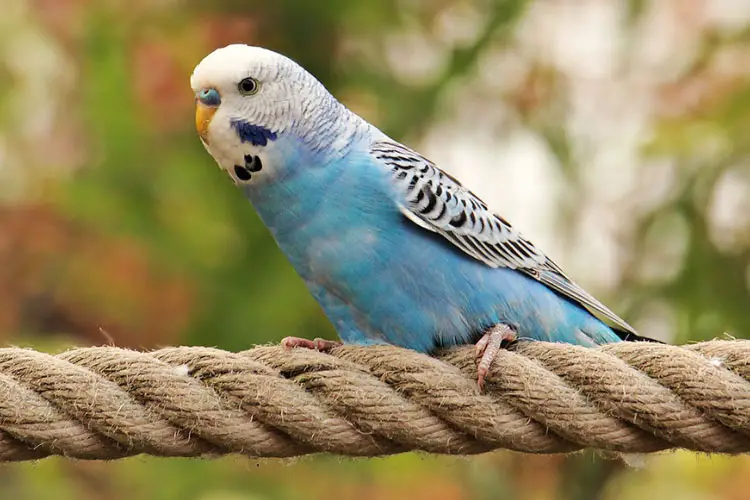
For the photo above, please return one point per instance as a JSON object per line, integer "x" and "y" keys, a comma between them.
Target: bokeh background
{"x": 614, "y": 134}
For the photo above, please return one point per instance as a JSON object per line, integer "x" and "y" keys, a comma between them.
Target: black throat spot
{"x": 242, "y": 173}
{"x": 253, "y": 163}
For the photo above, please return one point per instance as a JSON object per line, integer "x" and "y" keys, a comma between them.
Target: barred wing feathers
{"x": 438, "y": 202}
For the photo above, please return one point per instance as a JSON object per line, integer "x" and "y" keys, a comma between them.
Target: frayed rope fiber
{"x": 107, "y": 403}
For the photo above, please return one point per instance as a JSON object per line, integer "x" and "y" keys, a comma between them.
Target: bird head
{"x": 254, "y": 107}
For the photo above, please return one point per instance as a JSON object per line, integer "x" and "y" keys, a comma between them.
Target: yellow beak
{"x": 203, "y": 116}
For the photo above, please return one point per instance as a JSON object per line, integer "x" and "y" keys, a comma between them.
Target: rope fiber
{"x": 108, "y": 403}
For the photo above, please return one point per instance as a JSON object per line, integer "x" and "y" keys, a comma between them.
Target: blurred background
{"x": 614, "y": 134}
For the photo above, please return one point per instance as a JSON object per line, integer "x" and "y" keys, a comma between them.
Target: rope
{"x": 107, "y": 403}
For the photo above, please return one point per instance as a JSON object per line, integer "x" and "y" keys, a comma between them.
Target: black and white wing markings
{"x": 438, "y": 202}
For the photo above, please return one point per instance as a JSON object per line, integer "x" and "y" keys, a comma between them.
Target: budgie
{"x": 395, "y": 250}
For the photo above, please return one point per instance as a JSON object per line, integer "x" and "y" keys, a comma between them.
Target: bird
{"x": 394, "y": 249}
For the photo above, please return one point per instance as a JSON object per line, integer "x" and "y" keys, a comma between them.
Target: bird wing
{"x": 435, "y": 201}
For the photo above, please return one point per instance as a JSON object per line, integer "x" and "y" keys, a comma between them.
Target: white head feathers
{"x": 288, "y": 102}
{"x": 281, "y": 81}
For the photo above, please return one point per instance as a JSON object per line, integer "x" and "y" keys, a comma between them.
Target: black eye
{"x": 248, "y": 86}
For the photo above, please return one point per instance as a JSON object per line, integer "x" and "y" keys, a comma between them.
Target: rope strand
{"x": 107, "y": 403}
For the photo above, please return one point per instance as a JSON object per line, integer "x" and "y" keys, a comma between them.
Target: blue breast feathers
{"x": 254, "y": 134}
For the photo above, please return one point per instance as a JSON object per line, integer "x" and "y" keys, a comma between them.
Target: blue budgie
{"x": 395, "y": 250}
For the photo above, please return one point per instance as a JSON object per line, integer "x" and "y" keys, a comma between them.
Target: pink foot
{"x": 316, "y": 345}
{"x": 487, "y": 347}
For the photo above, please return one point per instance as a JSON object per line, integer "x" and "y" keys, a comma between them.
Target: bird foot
{"x": 317, "y": 344}
{"x": 487, "y": 347}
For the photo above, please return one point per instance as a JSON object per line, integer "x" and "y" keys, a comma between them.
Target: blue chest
{"x": 381, "y": 278}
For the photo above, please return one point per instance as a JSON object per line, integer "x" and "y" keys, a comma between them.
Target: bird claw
{"x": 317, "y": 344}
{"x": 487, "y": 347}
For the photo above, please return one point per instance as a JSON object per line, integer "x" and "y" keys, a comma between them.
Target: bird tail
{"x": 632, "y": 337}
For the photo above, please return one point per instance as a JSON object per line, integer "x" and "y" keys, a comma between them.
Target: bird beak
{"x": 203, "y": 116}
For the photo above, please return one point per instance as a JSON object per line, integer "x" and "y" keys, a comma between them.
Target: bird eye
{"x": 248, "y": 86}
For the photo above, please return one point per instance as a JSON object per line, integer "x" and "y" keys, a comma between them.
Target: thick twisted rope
{"x": 105, "y": 402}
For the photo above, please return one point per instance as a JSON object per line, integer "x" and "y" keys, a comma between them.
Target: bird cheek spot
{"x": 254, "y": 134}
